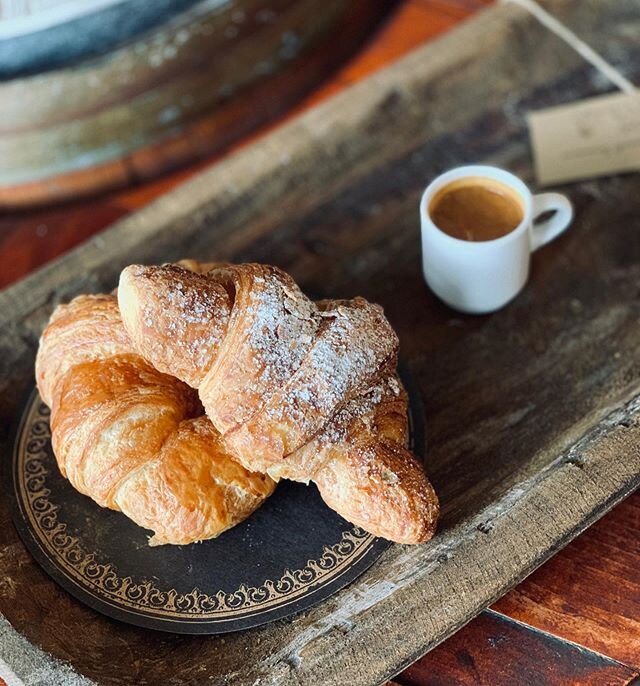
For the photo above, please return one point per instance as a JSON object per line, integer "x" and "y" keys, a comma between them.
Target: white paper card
{"x": 588, "y": 138}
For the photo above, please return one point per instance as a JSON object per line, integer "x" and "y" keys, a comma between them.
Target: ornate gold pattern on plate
{"x": 102, "y": 580}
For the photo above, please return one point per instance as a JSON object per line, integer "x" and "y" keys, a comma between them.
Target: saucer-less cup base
{"x": 491, "y": 277}
{"x": 481, "y": 277}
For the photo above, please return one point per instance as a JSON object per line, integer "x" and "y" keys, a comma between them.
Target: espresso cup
{"x": 480, "y": 276}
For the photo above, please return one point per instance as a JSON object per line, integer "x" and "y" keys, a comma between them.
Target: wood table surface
{"x": 576, "y": 620}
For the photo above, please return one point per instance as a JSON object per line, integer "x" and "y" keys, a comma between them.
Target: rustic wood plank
{"x": 532, "y": 413}
{"x": 591, "y": 593}
{"x": 498, "y": 651}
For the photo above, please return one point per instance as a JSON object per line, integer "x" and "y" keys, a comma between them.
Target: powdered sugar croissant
{"x": 299, "y": 390}
{"x": 132, "y": 438}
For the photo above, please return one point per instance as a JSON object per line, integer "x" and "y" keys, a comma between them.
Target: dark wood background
{"x": 575, "y": 620}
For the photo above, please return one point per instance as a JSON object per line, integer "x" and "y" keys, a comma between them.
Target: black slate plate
{"x": 289, "y": 555}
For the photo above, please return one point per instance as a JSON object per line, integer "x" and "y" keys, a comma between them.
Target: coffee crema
{"x": 476, "y": 209}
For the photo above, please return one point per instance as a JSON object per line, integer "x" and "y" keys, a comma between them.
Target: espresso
{"x": 476, "y": 209}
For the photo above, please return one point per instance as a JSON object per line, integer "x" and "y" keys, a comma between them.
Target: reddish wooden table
{"x": 574, "y": 621}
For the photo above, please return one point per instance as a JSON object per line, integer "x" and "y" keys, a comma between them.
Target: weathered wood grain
{"x": 588, "y": 595}
{"x": 591, "y": 594}
{"x": 504, "y": 653}
{"x": 533, "y": 413}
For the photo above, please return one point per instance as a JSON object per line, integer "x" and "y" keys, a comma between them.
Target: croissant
{"x": 132, "y": 438}
{"x": 299, "y": 390}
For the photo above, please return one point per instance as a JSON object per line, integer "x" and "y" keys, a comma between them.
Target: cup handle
{"x": 543, "y": 233}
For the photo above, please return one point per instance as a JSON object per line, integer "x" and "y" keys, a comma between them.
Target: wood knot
{"x": 576, "y": 461}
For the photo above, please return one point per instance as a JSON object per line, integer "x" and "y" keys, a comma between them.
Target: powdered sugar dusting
{"x": 267, "y": 359}
{"x": 273, "y": 326}
{"x": 282, "y": 326}
{"x": 353, "y": 344}
{"x": 356, "y": 416}
{"x": 184, "y": 317}
{"x": 361, "y": 407}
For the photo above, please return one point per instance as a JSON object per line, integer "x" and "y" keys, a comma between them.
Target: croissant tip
{"x": 429, "y": 531}
{"x": 133, "y": 270}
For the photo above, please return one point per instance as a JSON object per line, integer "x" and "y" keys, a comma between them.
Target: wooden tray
{"x": 532, "y": 412}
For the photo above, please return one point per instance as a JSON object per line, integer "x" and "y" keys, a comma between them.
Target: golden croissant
{"x": 299, "y": 390}
{"x": 132, "y": 438}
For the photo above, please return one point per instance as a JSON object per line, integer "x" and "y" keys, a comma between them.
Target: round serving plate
{"x": 289, "y": 555}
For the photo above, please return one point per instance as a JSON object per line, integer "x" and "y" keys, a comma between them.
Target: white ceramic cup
{"x": 482, "y": 276}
